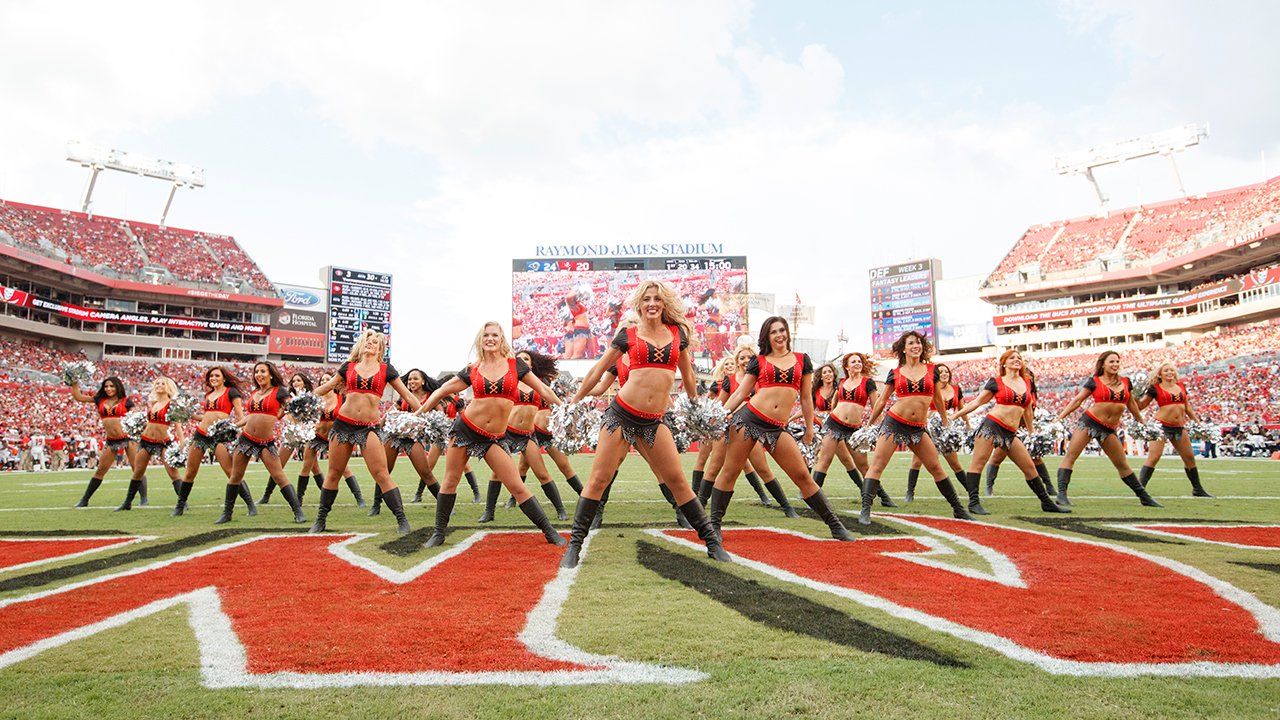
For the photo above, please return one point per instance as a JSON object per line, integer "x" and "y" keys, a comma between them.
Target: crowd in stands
{"x": 1083, "y": 240}
{"x": 124, "y": 248}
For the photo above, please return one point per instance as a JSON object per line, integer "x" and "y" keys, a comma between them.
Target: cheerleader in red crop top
{"x": 915, "y": 384}
{"x": 522, "y": 426}
{"x": 264, "y": 406}
{"x": 999, "y": 454}
{"x": 580, "y": 333}
{"x": 1014, "y": 407}
{"x": 494, "y": 379}
{"x": 954, "y": 400}
{"x": 420, "y": 386}
{"x": 299, "y": 383}
{"x": 853, "y": 395}
{"x": 155, "y": 438}
{"x": 317, "y": 448}
{"x": 725, "y": 368}
{"x": 362, "y": 379}
{"x": 452, "y": 405}
{"x": 222, "y": 401}
{"x": 1173, "y": 410}
{"x": 111, "y": 402}
{"x": 1112, "y": 394}
{"x": 774, "y": 379}
{"x": 757, "y": 470}
{"x": 657, "y": 347}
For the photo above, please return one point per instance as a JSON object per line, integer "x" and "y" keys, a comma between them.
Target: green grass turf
{"x": 859, "y": 662}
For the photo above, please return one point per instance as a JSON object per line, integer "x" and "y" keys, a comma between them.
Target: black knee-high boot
{"x": 696, "y": 481}
{"x": 475, "y": 487}
{"x": 295, "y": 503}
{"x": 266, "y": 492}
{"x": 1043, "y": 472}
{"x": 184, "y": 492}
{"x": 1131, "y": 480}
{"x": 870, "y": 488}
{"x": 303, "y": 481}
{"x": 175, "y": 484}
{"x": 354, "y": 486}
{"x": 573, "y": 482}
{"x": 533, "y": 511}
{"x": 491, "y": 501}
{"x": 1197, "y": 490}
{"x": 671, "y": 500}
{"x": 583, "y": 515}
{"x": 142, "y": 492}
{"x": 553, "y": 494}
{"x": 913, "y": 477}
{"x": 704, "y": 492}
{"x": 327, "y": 498}
{"x": 1046, "y": 503}
{"x": 228, "y": 503}
{"x": 598, "y": 520}
{"x": 134, "y": 486}
{"x": 511, "y": 499}
{"x": 758, "y": 486}
{"x": 318, "y": 479}
{"x": 822, "y": 507}
{"x": 94, "y": 484}
{"x": 820, "y": 477}
{"x": 949, "y": 492}
{"x": 885, "y": 500}
{"x": 417, "y": 496}
{"x": 781, "y": 498}
{"x": 1144, "y": 474}
{"x": 991, "y": 471}
{"x": 396, "y": 506}
{"x": 719, "y": 505}
{"x": 444, "y": 510}
{"x": 377, "y": 501}
{"x": 242, "y": 491}
{"x": 1064, "y": 481}
{"x": 970, "y": 482}
{"x": 707, "y": 532}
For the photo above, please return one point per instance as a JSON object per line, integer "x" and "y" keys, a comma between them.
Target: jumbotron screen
{"x": 571, "y": 309}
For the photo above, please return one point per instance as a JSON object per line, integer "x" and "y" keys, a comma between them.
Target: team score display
{"x": 557, "y": 265}
{"x": 699, "y": 263}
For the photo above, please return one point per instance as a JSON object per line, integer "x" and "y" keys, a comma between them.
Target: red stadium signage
{"x": 21, "y": 298}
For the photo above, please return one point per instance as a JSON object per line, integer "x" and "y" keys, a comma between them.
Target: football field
{"x": 1114, "y": 611}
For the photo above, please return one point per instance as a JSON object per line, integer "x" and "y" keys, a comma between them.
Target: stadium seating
{"x": 1082, "y": 241}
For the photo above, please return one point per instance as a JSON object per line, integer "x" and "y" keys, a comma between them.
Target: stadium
{"x": 1124, "y": 569}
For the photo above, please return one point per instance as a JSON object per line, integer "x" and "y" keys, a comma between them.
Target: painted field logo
{"x": 1245, "y": 537}
{"x": 1067, "y": 605}
{"x": 484, "y": 611}
{"x": 21, "y": 553}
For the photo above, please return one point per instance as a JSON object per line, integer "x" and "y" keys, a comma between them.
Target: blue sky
{"x": 440, "y": 140}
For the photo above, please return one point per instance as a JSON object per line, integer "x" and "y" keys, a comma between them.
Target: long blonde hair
{"x": 368, "y": 335}
{"x": 672, "y": 308}
{"x": 1155, "y": 375}
{"x": 170, "y": 387}
{"x": 722, "y": 369}
{"x": 742, "y": 367}
{"x": 504, "y": 347}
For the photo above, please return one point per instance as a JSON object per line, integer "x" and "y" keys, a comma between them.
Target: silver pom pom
{"x": 809, "y": 451}
{"x": 223, "y": 431}
{"x": 175, "y": 456}
{"x": 574, "y": 426}
{"x": 1204, "y": 432}
{"x": 77, "y": 372}
{"x": 183, "y": 408}
{"x": 864, "y": 439}
{"x": 1045, "y": 438}
{"x": 702, "y": 419}
{"x": 947, "y": 438}
{"x": 297, "y": 435}
{"x": 679, "y": 431}
{"x": 437, "y": 429}
{"x": 405, "y": 425}
{"x": 1143, "y": 431}
{"x": 305, "y": 407}
{"x": 133, "y": 423}
{"x": 565, "y": 386}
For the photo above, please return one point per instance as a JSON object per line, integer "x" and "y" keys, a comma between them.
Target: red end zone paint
{"x": 1069, "y": 606}
{"x": 20, "y": 553}
{"x": 483, "y": 611}
{"x": 1251, "y": 537}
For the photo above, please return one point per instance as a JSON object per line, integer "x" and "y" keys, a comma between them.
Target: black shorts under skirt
{"x": 152, "y": 447}
{"x": 902, "y": 433}
{"x": 119, "y": 443}
{"x": 515, "y": 442}
{"x": 350, "y": 433}
{"x": 999, "y": 435}
{"x": 400, "y": 444}
{"x": 543, "y": 438}
{"x": 837, "y": 429}
{"x": 476, "y": 443}
{"x": 254, "y": 448}
{"x": 1095, "y": 429}
{"x": 757, "y": 428}
{"x": 204, "y": 442}
{"x": 1172, "y": 433}
{"x": 320, "y": 445}
{"x": 633, "y": 427}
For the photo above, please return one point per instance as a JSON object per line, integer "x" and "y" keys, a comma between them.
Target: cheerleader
{"x": 520, "y": 430}
{"x": 707, "y": 447}
{"x": 768, "y": 391}
{"x": 298, "y": 384}
{"x": 453, "y": 404}
{"x": 955, "y": 399}
{"x": 915, "y": 383}
{"x": 362, "y": 380}
{"x": 580, "y": 331}
{"x": 1014, "y": 408}
{"x": 155, "y": 438}
{"x": 318, "y": 446}
{"x": 420, "y": 387}
{"x": 479, "y": 428}
{"x": 264, "y": 405}
{"x": 222, "y": 400}
{"x": 757, "y": 463}
{"x": 999, "y": 454}
{"x": 845, "y": 404}
{"x": 542, "y": 437}
{"x": 112, "y": 403}
{"x": 657, "y": 347}
{"x": 1112, "y": 394}
{"x": 1173, "y": 410}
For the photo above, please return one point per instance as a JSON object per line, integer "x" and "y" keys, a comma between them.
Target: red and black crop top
{"x": 507, "y": 386}
{"x": 357, "y": 383}
{"x": 1101, "y": 393}
{"x": 115, "y": 411}
{"x": 620, "y": 370}
{"x": 403, "y": 406}
{"x": 158, "y": 417}
{"x": 223, "y": 402}
{"x": 575, "y": 308}
{"x": 1006, "y": 395}
{"x": 769, "y": 375}
{"x": 453, "y": 406}
{"x": 643, "y": 354}
{"x": 955, "y": 401}
{"x": 1164, "y": 397}
{"x": 860, "y": 393}
{"x": 906, "y": 387}
{"x": 268, "y": 404}
{"x": 327, "y": 415}
{"x": 532, "y": 399}
{"x": 822, "y": 404}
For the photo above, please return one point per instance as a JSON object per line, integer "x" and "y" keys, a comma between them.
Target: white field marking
{"x": 224, "y": 660}
{"x": 123, "y": 541}
{"x": 1268, "y": 617}
{"x": 1143, "y": 528}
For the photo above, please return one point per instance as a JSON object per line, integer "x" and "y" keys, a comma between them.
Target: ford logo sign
{"x": 297, "y": 296}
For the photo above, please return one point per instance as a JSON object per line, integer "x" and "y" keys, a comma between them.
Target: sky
{"x": 439, "y": 140}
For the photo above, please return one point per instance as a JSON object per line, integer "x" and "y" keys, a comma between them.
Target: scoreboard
{"x": 902, "y": 299}
{"x": 358, "y": 299}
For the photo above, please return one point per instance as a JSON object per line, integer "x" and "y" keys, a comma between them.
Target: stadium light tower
{"x": 97, "y": 159}
{"x": 1162, "y": 143}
